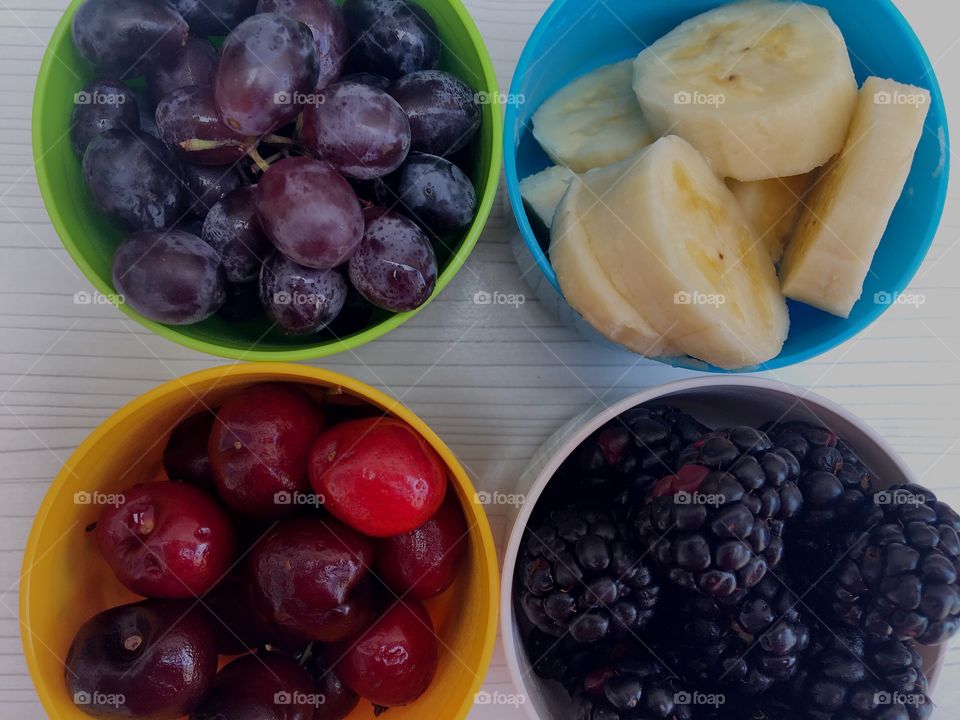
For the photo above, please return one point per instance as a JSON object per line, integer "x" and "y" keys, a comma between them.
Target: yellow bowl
{"x": 65, "y": 581}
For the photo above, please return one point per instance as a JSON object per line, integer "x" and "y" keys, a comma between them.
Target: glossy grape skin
{"x": 361, "y": 131}
{"x": 207, "y": 185}
{"x": 395, "y": 267}
{"x": 267, "y": 64}
{"x": 170, "y": 277}
{"x": 148, "y": 113}
{"x": 116, "y": 36}
{"x": 443, "y": 111}
{"x": 214, "y": 17}
{"x": 133, "y": 180}
{"x": 193, "y": 64}
{"x": 188, "y": 116}
{"x": 102, "y": 105}
{"x": 233, "y": 230}
{"x": 309, "y": 212}
{"x": 390, "y": 37}
{"x": 366, "y": 78}
{"x": 436, "y": 194}
{"x": 298, "y": 299}
{"x": 242, "y": 303}
{"x": 325, "y": 20}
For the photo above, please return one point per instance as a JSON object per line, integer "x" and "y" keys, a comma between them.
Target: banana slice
{"x": 672, "y": 240}
{"x": 593, "y": 122}
{"x": 588, "y": 288}
{"x": 544, "y": 191}
{"x": 850, "y": 206}
{"x": 773, "y": 208}
{"x": 763, "y": 89}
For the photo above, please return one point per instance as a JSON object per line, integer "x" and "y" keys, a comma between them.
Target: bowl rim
{"x": 852, "y": 328}
{"x": 39, "y": 141}
{"x": 592, "y": 422}
{"x": 275, "y": 372}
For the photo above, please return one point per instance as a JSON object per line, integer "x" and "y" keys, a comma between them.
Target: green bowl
{"x": 91, "y": 240}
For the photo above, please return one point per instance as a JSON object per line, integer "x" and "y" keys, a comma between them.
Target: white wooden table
{"x": 494, "y": 381}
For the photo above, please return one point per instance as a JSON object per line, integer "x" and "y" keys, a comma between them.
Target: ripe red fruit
{"x": 263, "y": 686}
{"x": 167, "y": 540}
{"x": 424, "y": 562}
{"x": 393, "y": 662}
{"x": 259, "y": 448}
{"x": 378, "y": 476}
{"x": 307, "y": 578}
{"x": 185, "y": 458}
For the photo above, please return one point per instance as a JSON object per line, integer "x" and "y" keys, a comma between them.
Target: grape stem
{"x": 278, "y": 140}
{"x": 198, "y": 145}
{"x": 258, "y": 159}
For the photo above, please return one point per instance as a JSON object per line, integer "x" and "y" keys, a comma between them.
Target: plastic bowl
{"x": 91, "y": 240}
{"x": 65, "y": 581}
{"x": 717, "y": 402}
{"x": 572, "y": 39}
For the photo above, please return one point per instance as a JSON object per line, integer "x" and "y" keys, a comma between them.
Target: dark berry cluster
{"x": 676, "y": 572}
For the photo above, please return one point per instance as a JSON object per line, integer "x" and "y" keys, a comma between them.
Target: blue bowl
{"x": 575, "y": 37}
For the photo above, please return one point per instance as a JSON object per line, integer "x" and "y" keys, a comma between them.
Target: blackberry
{"x": 633, "y": 450}
{"x": 899, "y": 575}
{"x": 579, "y": 574}
{"x": 564, "y": 660}
{"x": 848, "y": 676}
{"x": 717, "y": 525}
{"x": 747, "y": 642}
{"x": 631, "y": 685}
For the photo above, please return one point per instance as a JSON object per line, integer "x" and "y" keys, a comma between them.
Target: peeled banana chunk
{"x": 773, "y": 208}
{"x": 763, "y": 89}
{"x": 593, "y": 122}
{"x": 544, "y": 191}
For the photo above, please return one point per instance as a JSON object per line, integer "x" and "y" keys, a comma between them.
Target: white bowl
{"x": 715, "y": 401}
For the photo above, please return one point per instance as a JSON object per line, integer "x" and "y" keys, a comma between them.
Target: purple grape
{"x": 148, "y": 113}
{"x": 133, "y": 180}
{"x": 242, "y": 303}
{"x": 169, "y": 277}
{"x": 299, "y": 299}
{"x": 365, "y": 78}
{"x": 102, "y": 105}
{"x": 206, "y": 186}
{"x": 194, "y": 64}
{"x": 309, "y": 212}
{"x": 436, "y": 194}
{"x": 116, "y": 36}
{"x": 267, "y": 65}
{"x": 190, "y": 126}
{"x": 391, "y": 37}
{"x": 361, "y": 131}
{"x": 325, "y": 19}
{"x": 233, "y": 230}
{"x": 395, "y": 267}
{"x": 443, "y": 111}
{"x": 214, "y": 17}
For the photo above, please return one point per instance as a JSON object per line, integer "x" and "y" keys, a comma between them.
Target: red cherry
{"x": 393, "y": 662}
{"x": 306, "y": 575}
{"x": 424, "y": 562}
{"x": 378, "y": 476}
{"x": 338, "y": 700}
{"x": 259, "y": 448}
{"x": 167, "y": 540}
{"x": 185, "y": 457}
{"x": 261, "y": 686}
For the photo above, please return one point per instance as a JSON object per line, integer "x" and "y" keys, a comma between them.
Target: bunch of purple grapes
{"x": 301, "y": 168}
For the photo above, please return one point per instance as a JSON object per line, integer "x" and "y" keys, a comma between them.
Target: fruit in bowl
{"x": 236, "y": 554}
{"x": 264, "y": 132}
{"x": 781, "y": 576}
{"x": 806, "y": 164}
